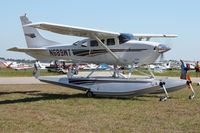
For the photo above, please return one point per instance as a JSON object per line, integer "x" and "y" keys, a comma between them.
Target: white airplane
{"x": 160, "y": 66}
{"x": 112, "y": 48}
{"x": 20, "y": 66}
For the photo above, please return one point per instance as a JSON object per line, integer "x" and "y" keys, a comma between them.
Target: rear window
{"x": 93, "y": 43}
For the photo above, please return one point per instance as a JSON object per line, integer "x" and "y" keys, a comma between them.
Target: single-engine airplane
{"x": 112, "y": 48}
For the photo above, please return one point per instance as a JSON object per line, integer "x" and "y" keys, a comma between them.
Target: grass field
{"x": 6, "y": 72}
{"x": 170, "y": 73}
{"x": 22, "y": 73}
{"x": 49, "y": 108}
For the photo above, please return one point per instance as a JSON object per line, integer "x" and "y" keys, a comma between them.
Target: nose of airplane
{"x": 163, "y": 48}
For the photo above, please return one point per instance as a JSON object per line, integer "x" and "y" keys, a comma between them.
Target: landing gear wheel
{"x": 89, "y": 94}
{"x": 163, "y": 98}
{"x": 191, "y": 96}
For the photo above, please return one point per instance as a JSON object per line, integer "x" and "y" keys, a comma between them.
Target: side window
{"x": 84, "y": 44}
{"x": 93, "y": 43}
{"x": 110, "y": 41}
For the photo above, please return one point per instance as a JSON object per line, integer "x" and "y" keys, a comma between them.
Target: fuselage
{"x": 90, "y": 51}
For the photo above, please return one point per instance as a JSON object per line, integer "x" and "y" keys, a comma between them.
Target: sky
{"x": 127, "y": 16}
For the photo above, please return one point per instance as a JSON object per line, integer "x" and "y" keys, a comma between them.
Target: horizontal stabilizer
{"x": 16, "y": 49}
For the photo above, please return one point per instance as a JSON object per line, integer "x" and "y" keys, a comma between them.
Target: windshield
{"x": 83, "y": 42}
{"x": 124, "y": 37}
{"x": 76, "y": 43}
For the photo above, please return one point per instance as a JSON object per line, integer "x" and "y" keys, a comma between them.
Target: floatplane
{"x": 112, "y": 48}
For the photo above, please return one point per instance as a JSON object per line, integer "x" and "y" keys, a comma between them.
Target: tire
{"x": 163, "y": 98}
{"x": 89, "y": 94}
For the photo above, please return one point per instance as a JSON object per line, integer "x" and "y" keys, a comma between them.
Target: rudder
{"x": 33, "y": 37}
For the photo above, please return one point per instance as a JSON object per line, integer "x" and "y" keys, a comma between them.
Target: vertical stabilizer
{"x": 33, "y": 37}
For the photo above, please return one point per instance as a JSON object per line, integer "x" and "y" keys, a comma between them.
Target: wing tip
{"x": 12, "y": 49}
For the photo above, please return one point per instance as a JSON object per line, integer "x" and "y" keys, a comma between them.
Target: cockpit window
{"x": 124, "y": 37}
{"x": 82, "y": 43}
{"x": 76, "y": 43}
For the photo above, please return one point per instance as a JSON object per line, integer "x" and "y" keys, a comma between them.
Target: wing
{"x": 73, "y": 30}
{"x": 90, "y": 33}
{"x": 149, "y": 36}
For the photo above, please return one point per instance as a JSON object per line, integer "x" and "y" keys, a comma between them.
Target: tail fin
{"x": 33, "y": 37}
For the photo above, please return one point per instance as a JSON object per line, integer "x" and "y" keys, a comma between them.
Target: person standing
{"x": 183, "y": 70}
{"x": 69, "y": 73}
{"x": 184, "y": 75}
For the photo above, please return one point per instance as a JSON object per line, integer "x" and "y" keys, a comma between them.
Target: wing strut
{"x": 107, "y": 49}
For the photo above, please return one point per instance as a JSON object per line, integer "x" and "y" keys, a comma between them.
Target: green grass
{"x": 49, "y": 108}
{"x": 175, "y": 73}
{"x": 171, "y": 73}
{"x": 6, "y": 72}
{"x": 22, "y": 73}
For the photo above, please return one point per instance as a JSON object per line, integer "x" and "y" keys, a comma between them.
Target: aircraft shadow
{"x": 157, "y": 96}
{"x": 19, "y": 92}
{"x": 153, "y": 96}
{"x": 40, "y": 97}
{"x": 37, "y": 96}
{"x": 121, "y": 98}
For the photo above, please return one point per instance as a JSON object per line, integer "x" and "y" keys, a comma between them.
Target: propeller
{"x": 162, "y": 48}
{"x": 161, "y": 57}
